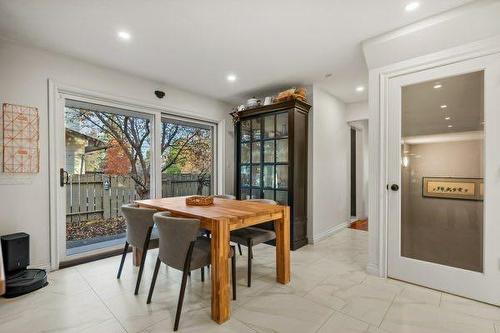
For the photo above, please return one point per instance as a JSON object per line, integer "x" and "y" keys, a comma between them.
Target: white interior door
{"x": 444, "y": 178}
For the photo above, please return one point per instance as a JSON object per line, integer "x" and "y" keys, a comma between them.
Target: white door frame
{"x": 378, "y": 134}
{"x": 57, "y": 93}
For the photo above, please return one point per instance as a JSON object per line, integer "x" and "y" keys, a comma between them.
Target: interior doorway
{"x": 353, "y": 173}
{"x": 359, "y": 174}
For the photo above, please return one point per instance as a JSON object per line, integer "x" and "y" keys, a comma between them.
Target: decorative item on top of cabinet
{"x": 271, "y": 155}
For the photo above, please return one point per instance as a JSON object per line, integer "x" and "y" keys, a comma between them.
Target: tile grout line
{"x": 327, "y": 319}
{"x": 100, "y": 299}
{"x": 389, "y": 307}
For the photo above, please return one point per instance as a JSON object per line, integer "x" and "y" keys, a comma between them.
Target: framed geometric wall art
{"x": 453, "y": 188}
{"x": 21, "y": 152}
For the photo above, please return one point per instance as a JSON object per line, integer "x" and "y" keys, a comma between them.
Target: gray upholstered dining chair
{"x": 181, "y": 248}
{"x": 252, "y": 236}
{"x": 139, "y": 232}
{"x": 225, "y": 196}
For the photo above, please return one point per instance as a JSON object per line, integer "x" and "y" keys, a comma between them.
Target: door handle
{"x": 62, "y": 179}
{"x": 395, "y": 187}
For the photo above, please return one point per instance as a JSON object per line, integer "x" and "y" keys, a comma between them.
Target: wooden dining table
{"x": 221, "y": 218}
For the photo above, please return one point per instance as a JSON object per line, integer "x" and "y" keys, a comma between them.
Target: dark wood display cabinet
{"x": 271, "y": 155}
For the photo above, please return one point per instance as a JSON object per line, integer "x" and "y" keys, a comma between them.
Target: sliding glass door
{"x": 108, "y": 156}
{"x": 107, "y": 164}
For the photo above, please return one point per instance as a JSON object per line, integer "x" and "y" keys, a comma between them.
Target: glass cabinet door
{"x": 263, "y": 153}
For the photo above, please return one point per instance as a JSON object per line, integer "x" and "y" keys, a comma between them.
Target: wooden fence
{"x": 99, "y": 196}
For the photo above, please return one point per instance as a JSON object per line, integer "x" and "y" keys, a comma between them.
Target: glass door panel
{"x": 256, "y": 194}
{"x": 245, "y": 152}
{"x": 269, "y": 151}
{"x": 282, "y": 151}
{"x": 245, "y": 194}
{"x": 269, "y": 194}
{"x": 256, "y": 152}
{"x": 282, "y": 125}
{"x": 245, "y": 130}
{"x": 256, "y": 175}
{"x": 187, "y": 157}
{"x": 107, "y": 163}
{"x": 269, "y": 176}
{"x": 269, "y": 127}
{"x": 245, "y": 175}
{"x": 282, "y": 197}
{"x": 442, "y": 171}
{"x": 282, "y": 176}
{"x": 256, "y": 129}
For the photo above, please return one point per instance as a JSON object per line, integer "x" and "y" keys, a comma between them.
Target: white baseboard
{"x": 373, "y": 269}
{"x": 327, "y": 233}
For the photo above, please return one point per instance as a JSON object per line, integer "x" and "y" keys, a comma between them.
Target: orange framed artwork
{"x": 20, "y": 150}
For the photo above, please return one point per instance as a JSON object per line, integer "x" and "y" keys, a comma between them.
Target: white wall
{"x": 357, "y": 111}
{"x": 24, "y": 73}
{"x": 329, "y": 162}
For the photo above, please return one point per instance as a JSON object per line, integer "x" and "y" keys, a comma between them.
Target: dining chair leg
{"x": 153, "y": 281}
{"x": 143, "y": 259}
{"x": 249, "y": 272}
{"x": 202, "y": 274}
{"x": 239, "y": 249}
{"x": 233, "y": 273}
{"x": 185, "y": 272}
{"x": 125, "y": 250}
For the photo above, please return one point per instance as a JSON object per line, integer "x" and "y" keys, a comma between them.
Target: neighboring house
{"x": 83, "y": 153}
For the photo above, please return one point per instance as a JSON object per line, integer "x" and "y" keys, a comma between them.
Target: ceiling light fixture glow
{"x": 438, "y": 85}
{"x": 444, "y": 106}
{"x": 450, "y": 126}
{"x": 124, "y": 35}
{"x": 447, "y": 118}
{"x": 231, "y": 77}
{"x": 412, "y": 6}
{"x": 360, "y": 88}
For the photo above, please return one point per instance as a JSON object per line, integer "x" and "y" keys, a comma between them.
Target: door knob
{"x": 394, "y": 187}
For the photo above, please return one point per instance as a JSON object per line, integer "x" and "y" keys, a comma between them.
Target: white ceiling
{"x": 195, "y": 44}
{"x": 463, "y": 95}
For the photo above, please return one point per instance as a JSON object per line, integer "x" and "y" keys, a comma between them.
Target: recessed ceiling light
{"x": 444, "y": 106}
{"x": 124, "y": 35}
{"x": 231, "y": 77}
{"x": 360, "y": 88}
{"x": 438, "y": 85}
{"x": 412, "y": 6}
{"x": 447, "y": 118}
{"x": 450, "y": 126}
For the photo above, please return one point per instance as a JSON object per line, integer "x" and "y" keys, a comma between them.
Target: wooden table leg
{"x": 282, "y": 229}
{"x": 136, "y": 256}
{"x": 221, "y": 307}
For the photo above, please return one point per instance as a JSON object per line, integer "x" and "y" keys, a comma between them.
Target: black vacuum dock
{"x": 19, "y": 279}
